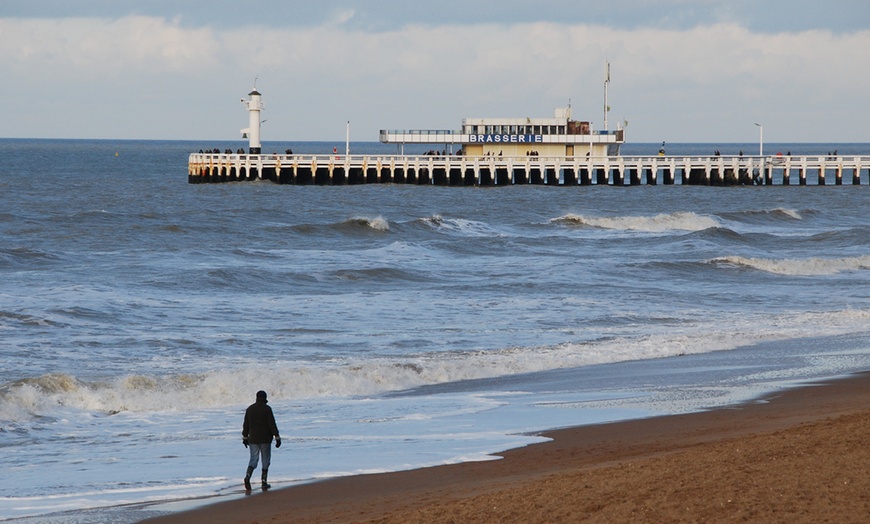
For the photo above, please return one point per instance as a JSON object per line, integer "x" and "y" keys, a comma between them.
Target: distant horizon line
{"x": 243, "y": 142}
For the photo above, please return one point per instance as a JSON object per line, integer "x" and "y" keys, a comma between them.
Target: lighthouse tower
{"x": 254, "y": 105}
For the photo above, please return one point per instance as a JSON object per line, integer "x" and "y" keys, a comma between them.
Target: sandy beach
{"x": 796, "y": 456}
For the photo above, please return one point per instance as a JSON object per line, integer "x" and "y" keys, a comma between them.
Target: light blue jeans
{"x": 258, "y": 450}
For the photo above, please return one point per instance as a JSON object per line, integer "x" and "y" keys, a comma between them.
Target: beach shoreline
{"x": 794, "y": 455}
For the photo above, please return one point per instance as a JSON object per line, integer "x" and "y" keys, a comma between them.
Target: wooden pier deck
{"x": 551, "y": 171}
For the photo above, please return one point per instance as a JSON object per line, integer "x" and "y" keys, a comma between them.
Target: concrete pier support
{"x": 569, "y": 176}
{"x": 304, "y": 175}
{"x": 551, "y": 176}
{"x": 284, "y": 175}
{"x": 439, "y": 176}
{"x": 321, "y": 176}
{"x": 339, "y": 176}
{"x": 618, "y": 175}
{"x": 424, "y": 177}
{"x": 356, "y": 176}
{"x": 485, "y": 177}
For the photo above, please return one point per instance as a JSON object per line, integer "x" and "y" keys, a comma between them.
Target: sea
{"x": 392, "y": 326}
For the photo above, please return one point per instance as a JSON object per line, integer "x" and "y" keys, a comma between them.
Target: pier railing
{"x": 454, "y": 170}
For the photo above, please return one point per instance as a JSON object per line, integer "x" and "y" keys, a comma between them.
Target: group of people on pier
{"x": 227, "y": 151}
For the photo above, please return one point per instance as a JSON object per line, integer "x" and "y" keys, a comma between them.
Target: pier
{"x": 456, "y": 170}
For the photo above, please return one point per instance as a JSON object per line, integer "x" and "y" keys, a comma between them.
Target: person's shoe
{"x": 266, "y": 485}
{"x": 248, "y": 473}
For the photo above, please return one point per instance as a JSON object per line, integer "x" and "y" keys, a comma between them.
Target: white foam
{"x": 791, "y": 213}
{"x": 798, "y": 266}
{"x": 681, "y": 221}
{"x": 473, "y": 228}
{"x": 378, "y": 223}
{"x": 218, "y": 388}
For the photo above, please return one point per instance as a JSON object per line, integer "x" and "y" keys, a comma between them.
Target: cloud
{"x": 89, "y": 47}
{"x": 160, "y": 78}
{"x": 342, "y": 16}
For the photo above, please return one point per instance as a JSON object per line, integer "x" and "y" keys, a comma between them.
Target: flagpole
{"x": 606, "y": 83}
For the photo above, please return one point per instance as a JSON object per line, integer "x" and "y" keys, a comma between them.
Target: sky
{"x": 680, "y": 70}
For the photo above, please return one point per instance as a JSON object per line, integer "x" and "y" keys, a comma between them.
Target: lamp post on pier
{"x": 760, "y": 139}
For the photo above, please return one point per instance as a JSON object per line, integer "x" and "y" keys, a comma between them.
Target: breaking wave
{"x": 461, "y": 226}
{"x": 42, "y": 396}
{"x": 789, "y": 213}
{"x": 376, "y": 224}
{"x": 797, "y": 267}
{"x": 351, "y": 225}
{"x": 779, "y": 213}
{"x": 682, "y": 221}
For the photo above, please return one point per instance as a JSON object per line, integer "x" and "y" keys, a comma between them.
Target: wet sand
{"x": 798, "y": 456}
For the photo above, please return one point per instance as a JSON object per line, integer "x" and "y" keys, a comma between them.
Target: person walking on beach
{"x": 257, "y": 433}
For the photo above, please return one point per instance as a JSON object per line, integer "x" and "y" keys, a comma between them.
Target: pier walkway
{"x": 503, "y": 171}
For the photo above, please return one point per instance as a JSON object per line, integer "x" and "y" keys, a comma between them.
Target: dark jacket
{"x": 259, "y": 426}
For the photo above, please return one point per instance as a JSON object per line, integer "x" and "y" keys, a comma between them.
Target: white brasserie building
{"x": 560, "y": 136}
